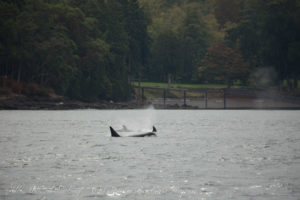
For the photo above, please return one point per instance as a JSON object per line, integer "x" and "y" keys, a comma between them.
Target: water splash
{"x": 139, "y": 120}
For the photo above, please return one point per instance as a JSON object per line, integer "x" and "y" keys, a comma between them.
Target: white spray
{"x": 139, "y": 120}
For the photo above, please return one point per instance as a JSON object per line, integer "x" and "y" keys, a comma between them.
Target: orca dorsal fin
{"x": 154, "y": 129}
{"x": 113, "y": 132}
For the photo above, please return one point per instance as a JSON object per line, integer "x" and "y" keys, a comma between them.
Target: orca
{"x": 148, "y": 134}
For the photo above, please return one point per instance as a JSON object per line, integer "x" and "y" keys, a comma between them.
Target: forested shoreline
{"x": 91, "y": 50}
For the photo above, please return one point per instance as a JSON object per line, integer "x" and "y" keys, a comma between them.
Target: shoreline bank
{"x": 42, "y": 103}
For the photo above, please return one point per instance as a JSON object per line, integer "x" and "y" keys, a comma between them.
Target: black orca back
{"x": 113, "y": 132}
{"x": 154, "y": 129}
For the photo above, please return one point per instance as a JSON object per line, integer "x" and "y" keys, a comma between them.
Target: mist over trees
{"x": 92, "y": 49}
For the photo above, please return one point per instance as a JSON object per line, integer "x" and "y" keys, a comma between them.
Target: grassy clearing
{"x": 285, "y": 84}
{"x": 191, "y": 89}
{"x": 181, "y": 85}
{"x": 188, "y": 86}
{"x": 154, "y": 93}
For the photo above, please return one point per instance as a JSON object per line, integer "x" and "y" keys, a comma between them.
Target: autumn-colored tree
{"x": 222, "y": 63}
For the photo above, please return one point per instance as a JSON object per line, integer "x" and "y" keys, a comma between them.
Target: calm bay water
{"x": 198, "y": 154}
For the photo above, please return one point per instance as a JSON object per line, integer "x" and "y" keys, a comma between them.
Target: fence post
{"x": 224, "y": 98}
{"x": 138, "y": 99}
{"x": 142, "y": 94}
{"x": 205, "y": 99}
{"x": 164, "y": 96}
{"x": 184, "y": 96}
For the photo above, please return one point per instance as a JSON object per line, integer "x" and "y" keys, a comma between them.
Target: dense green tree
{"x": 268, "y": 36}
{"x": 196, "y": 40}
{"x": 180, "y": 38}
{"x": 136, "y": 26}
{"x": 167, "y": 57}
{"x": 40, "y": 48}
{"x": 83, "y": 49}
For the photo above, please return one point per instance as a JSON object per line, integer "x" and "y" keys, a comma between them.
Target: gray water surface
{"x": 197, "y": 154}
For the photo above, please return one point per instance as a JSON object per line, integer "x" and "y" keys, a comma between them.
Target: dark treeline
{"x": 81, "y": 49}
{"x": 92, "y": 49}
